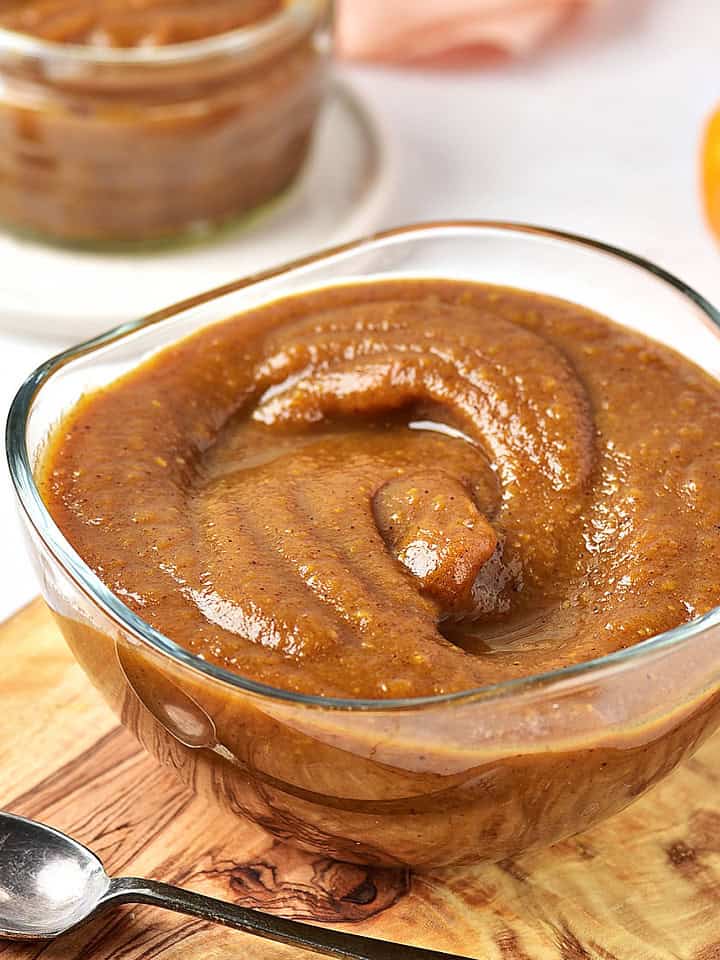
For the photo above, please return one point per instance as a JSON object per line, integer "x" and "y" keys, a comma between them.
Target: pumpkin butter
{"x": 400, "y": 489}
{"x": 131, "y": 23}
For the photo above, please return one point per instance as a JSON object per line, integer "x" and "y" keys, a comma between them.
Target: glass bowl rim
{"x": 295, "y": 13}
{"x": 101, "y": 596}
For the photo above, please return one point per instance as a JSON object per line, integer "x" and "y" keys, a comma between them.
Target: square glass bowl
{"x": 483, "y": 774}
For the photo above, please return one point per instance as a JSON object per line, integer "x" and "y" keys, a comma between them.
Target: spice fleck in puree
{"x": 400, "y": 489}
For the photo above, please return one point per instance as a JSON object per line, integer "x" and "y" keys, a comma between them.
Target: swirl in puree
{"x": 399, "y": 489}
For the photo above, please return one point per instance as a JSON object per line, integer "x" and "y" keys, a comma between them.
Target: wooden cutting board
{"x": 643, "y": 886}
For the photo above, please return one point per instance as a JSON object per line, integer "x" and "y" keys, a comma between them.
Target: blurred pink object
{"x": 447, "y": 31}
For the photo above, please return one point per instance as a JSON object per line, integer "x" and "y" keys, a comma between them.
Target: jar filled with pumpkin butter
{"x": 125, "y": 121}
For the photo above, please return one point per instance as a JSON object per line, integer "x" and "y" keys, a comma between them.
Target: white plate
{"x": 340, "y": 194}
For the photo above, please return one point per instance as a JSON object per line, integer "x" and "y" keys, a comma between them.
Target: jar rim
{"x": 294, "y": 16}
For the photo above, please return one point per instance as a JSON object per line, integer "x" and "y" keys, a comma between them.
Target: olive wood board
{"x": 645, "y": 885}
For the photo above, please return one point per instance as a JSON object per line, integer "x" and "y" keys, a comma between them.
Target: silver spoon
{"x": 50, "y": 884}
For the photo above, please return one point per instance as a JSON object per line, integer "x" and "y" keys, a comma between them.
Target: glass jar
{"x": 482, "y": 774}
{"x": 143, "y": 144}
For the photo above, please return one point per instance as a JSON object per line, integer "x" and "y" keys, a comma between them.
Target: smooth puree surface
{"x": 131, "y": 23}
{"x": 400, "y": 489}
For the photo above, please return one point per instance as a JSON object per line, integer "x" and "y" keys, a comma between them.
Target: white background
{"x": 599, "y": 137}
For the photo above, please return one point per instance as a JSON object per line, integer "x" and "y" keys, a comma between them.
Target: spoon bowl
{"x": 48, "y": 882}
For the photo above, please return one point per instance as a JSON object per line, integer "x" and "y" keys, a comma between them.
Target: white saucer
{"x": 341, "y": 193}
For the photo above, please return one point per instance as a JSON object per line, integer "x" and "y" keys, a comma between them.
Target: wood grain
{"x": 645, "y": 885}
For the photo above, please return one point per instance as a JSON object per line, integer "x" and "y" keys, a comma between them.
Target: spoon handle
{"x": 331, "y": 943}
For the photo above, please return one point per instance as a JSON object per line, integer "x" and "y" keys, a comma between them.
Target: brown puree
{"x": 400, "y": 489}
{"x": 130, "y": 23}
